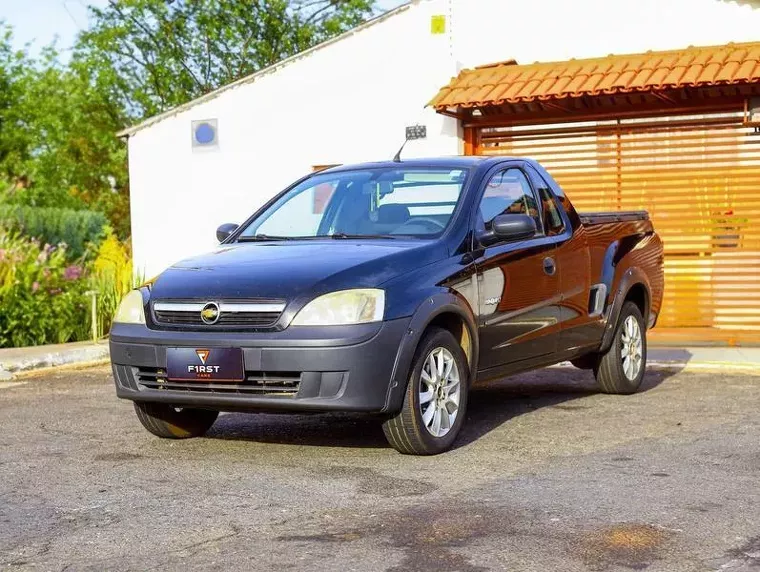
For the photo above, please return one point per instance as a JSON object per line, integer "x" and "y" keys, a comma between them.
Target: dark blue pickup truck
{"x": 391, "y": 288}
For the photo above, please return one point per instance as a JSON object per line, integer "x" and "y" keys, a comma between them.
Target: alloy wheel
{"x": 631, "y": 350}
{"x": 440, "y": 392}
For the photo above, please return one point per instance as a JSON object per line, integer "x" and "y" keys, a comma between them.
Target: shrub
{"x": 75, "y": 228}
{"x": 111, "y": 278}
{"x": 42, "y": 294}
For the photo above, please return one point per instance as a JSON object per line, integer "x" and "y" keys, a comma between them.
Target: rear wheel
{"x": 174, "y": 423}
{"x": 436, "y": 397}
{"x": 622, "y": 368}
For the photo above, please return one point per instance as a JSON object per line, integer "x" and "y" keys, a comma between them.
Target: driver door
{"x": 518, "y": 283}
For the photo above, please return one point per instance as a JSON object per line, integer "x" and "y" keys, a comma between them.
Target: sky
{"x": 40, "y": 21}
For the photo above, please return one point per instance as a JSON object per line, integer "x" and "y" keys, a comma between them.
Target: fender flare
{"x": 426, "y": 312}
{"x": 632, "y": 277}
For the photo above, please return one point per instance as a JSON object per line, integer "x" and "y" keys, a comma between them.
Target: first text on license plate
{"x": 204, "y": 364}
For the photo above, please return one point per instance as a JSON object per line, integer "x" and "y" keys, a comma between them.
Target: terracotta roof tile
{"x": 749, "y": 69}
{"x": 509, "y": 91}
{"x": 591, "y": 85}
{"x": 559, "y": 87}
{"x": 657, "y": 77}
{"x": 641, "y": 79}
{"x": 606, "y": 82}
{"x": 727, "y": 72}
{"x": 577, "y": 82}
{"x": 674, "y": 76}
{"x": 708, "y": 73}
{"x": 691, "y": 74}
{"x": 694, "y": 66}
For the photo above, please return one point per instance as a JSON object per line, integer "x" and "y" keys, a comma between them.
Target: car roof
{"x": 453, "y": 162}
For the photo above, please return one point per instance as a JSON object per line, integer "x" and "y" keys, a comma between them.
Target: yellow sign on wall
{"x": 438, "y": 24}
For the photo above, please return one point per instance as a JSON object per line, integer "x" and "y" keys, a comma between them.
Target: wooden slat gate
{"x": 699, "y": 178}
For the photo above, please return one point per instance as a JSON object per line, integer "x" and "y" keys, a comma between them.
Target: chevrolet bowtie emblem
{"x": 210, "y": 313}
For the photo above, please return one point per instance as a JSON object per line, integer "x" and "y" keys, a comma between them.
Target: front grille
{"x": 232, "y": 314}
{"x": 281, "y": 384}
{"x": 254, "y": 319}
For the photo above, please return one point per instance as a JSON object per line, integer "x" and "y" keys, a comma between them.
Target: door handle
{"x": 550, "y": 267}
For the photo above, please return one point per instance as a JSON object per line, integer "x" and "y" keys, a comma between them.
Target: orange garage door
{"x": 699, "y": 178}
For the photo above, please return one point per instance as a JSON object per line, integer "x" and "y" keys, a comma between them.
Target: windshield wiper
{"x": 337, "y": 236}
{"x": 262, "y": 237}
{"x": 340, "y": 235}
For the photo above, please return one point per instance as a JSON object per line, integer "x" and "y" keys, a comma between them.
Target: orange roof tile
{"x": 507, "y": 82}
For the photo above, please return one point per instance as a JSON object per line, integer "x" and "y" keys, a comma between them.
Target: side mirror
{"x": 225, "y": 231}
{"x": 509, "y": 227}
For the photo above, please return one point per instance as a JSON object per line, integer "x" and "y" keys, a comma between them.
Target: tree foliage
{"x": 57, "y": 136}
{"x": 12, "y": 73}
{"x": 156, "y": 54}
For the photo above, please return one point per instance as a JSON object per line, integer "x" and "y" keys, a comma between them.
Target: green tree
{"x": 14, "y": 142}
{"x": 156, "y": 54}
{"x": 57, "y": 143}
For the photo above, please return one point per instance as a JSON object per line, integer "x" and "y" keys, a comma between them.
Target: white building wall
{"x": 350, "y": 101}
{"x": 347, "y": 102}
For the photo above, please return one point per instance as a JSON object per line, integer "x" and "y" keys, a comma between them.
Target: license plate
{"x": 204, "y": 364}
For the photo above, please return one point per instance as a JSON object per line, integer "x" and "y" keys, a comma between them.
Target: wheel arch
{"x": 639, "y": 295}
{"x": 445, "y": 310}
{"x": 455, "y": 323}
{"x": 633, "y": 286}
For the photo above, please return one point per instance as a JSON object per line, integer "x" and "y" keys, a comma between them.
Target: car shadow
{"x": 493, "y": 404}
{"x": 490, "y": 406}
{"x": 305, "y": 430}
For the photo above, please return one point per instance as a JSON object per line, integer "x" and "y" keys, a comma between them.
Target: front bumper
{"x": 338, "y": 368}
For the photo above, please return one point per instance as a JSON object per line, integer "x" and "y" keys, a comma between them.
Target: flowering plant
{"x": 42, "y": 294}
{"x": 111, "y": 277}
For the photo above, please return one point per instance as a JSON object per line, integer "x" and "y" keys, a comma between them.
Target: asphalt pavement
{"x": 548, "y": 475}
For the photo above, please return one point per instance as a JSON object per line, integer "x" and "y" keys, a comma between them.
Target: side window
{"x": 553, "y": 223}
{"x": 508, "y": 192}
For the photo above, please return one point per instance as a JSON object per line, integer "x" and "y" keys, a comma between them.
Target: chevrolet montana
{"x": 391, "y": 288}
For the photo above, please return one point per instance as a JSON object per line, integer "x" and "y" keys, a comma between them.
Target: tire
{"x": 169, "y": 423}
{"x": 613, "y": 373}
{"x": 415, "y": 431}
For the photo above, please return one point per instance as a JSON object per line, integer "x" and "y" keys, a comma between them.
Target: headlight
{"x": 131, "y": 309}
{"x": 342, "y": 308}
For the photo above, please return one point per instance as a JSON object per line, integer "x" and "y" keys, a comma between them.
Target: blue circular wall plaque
{"x": 204, "y": 134}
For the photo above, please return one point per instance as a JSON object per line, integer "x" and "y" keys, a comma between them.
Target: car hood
{"x": 293, "y": 269}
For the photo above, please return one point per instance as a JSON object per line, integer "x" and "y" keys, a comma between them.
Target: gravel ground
{"x": 548, "y": 475}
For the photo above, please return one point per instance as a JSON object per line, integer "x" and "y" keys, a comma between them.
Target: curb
{"x": 53, "y": 368}
{"x": 22, "y": 365}
{"x": 748, "y": 368}
{"x": 708, "y": 366}
{"x": 98, "y": 354}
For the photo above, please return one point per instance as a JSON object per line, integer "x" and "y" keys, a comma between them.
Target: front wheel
{"x": 435, "y": 400}
{"x": 173, "y": 423}
{"x": 621, "y": 369}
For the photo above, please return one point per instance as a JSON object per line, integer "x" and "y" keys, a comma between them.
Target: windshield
{"x": 383, "y": 203}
